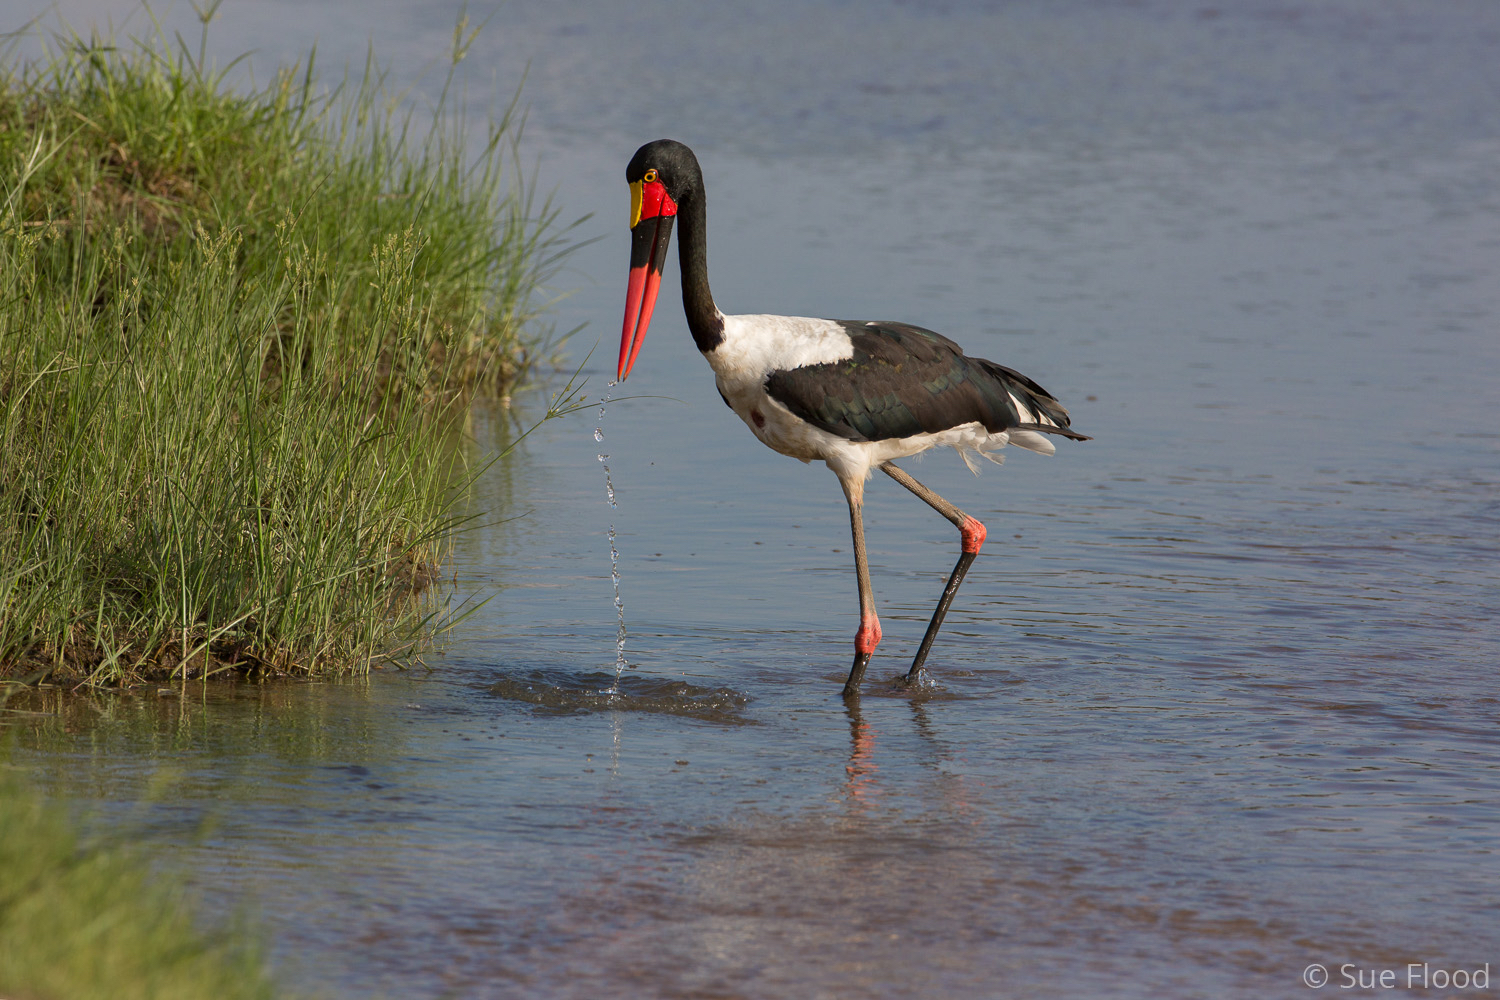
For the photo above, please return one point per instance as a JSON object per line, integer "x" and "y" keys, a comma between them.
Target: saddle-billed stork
{"x": 856, "y": 395}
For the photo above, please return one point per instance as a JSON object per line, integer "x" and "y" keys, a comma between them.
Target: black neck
{"x": 703, "y": 317}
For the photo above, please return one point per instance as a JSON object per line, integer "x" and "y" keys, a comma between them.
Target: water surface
{"x": 1217, "y": 701}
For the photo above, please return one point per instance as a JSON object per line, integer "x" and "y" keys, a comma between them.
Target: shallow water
{"x": 1217, "y": 701}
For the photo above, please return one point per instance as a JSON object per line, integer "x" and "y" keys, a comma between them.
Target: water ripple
{"x": 562, "y": 692}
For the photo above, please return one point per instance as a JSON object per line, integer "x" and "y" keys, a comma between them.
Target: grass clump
{"x": 94, "y": 921}
{"x": 231, "y": 327}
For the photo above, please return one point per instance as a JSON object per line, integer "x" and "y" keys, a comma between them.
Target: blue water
{"x": 1216, "y": 703}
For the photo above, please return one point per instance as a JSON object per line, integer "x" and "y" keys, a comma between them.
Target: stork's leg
{"x": 868, "y": 636}
{"x": 972, "y": 533}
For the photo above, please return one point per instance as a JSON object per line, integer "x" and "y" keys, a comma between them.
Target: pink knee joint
{"x": 868, "y": 636}
{"x": 973, "y": 533}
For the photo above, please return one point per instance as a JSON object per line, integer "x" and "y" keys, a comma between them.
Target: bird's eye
{"x": 650, "y": 177}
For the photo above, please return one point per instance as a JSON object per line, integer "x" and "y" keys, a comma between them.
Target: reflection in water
{"x": 861, "y": 767}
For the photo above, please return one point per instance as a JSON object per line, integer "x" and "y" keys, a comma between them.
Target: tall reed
{"x": 232, "y": 326}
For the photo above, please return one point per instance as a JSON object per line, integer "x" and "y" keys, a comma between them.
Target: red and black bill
{"x": 652, "y": 211}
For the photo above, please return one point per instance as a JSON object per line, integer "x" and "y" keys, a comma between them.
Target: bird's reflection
{"x": 925, "y": 729}
{"x": 862, "y": 782}
{"x": 861, "y": 770}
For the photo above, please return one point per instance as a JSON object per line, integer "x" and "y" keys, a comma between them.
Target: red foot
{"x": 868, "y": 636}
{"x": 973, "y": 533}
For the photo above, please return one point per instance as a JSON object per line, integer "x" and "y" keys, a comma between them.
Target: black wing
{"x": 904, "y": 380}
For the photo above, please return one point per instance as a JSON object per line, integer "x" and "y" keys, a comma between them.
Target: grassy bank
{"x": 82, "y": 921}
{"x": 233, "y": 322}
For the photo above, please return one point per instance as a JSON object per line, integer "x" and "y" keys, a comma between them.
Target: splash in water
{"x": 614, "y": 551}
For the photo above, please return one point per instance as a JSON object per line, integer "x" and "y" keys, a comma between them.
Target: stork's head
{"x": 661, "y": 174}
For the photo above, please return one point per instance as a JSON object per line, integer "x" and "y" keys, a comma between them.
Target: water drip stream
{"x": 614, "y": 551}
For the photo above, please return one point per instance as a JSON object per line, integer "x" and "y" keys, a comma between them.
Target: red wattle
{"x": 655, "y": 201}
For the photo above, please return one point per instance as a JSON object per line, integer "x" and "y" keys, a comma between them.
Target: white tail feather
{"x": 1032, "y": 441}
{"x": 1030, "y": 415}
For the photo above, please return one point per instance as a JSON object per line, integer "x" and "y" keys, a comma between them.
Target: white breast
{"x": 754, "y": 346}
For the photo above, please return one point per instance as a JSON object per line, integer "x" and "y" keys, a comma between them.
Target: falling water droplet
{"x": 614, "y": 553}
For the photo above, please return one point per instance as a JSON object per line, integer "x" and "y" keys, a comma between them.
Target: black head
{"x": 673, "y": 162}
